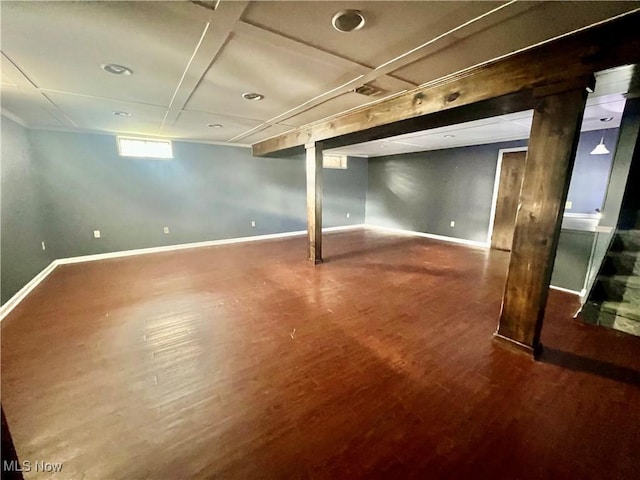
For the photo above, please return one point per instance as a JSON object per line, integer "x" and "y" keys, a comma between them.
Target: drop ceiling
{"x": 191, "y": 64}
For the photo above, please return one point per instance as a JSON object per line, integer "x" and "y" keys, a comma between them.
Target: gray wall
{"x": 590, "y": 175}
{"x": 22, "y": 226}
{"x": 425, "y": 191}
{"x": 207, "y": 192}
{"x": 572, "y": 259}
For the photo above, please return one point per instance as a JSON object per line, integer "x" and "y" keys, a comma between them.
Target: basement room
{"x": 320, "y": 239}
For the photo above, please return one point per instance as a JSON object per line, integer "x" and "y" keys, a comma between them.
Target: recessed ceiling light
{"x": 214, "y": 125}
{"x": 116, "y": 69}
{"x": 348, "y": 20}
{"x": 606, "y": 119}
{"x": 252, "y": 96}
{"x": 449, "y": 136}
{"x": 122, "y": 114}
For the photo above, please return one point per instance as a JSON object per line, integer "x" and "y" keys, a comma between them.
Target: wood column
{"x": 550, "y": 158}
{"x": 314, "y": 201}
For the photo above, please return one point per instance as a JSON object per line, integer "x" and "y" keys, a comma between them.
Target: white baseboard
{"x": 566, "y": 290}
{"x": 35, "y": 281}
{"x": 26, "y": 290}
{"x": 432, "y": 236}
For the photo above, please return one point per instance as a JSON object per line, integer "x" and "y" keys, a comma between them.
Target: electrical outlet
{"x": 253, "y": 223}
{"x": 568, "y": 205}
{"x": 44, "y": 246}
{"x": 96, "y": 234}
{"x": 452, "y": 224}
{"x": 348, "y": 215}
{"x": 166, "y": 230}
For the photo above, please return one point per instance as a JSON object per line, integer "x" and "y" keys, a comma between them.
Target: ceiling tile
{"x": 391, "y": 28}
{"x": 97, "y": 114}
{"x": 29, "y": 106}
{"x": 193, "y": 125}
{"x": 549, "y": 18}
{"x": 285, "y": 78}
{"x": 61, "y": 45}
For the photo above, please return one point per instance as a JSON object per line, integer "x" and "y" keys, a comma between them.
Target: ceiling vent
{"x": 368, "y": 90}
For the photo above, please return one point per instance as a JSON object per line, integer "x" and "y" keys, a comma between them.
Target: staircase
{"x": 615, "y": 299}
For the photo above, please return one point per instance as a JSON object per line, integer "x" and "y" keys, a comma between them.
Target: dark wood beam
{"x": 550, "y": 157}
{"x": 314, "y": 201}
{"x": 507, "y": 85}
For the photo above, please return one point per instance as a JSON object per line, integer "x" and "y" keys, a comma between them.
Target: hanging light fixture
{"x": 601, "y": 148}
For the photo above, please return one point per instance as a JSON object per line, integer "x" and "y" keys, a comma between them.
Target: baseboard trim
{"x": 21, "y": 294}
{"x": 35, "y": 281}
{"x": 566, "y": 290}
{"x": 208, "y": 243}
{"x": 462, "y": 241}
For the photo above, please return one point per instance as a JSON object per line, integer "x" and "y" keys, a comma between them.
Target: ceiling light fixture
{"x": 214, "y": 125}
{"x": 122, "y": 114}
{"x": 449, "y": 136}
{"x": 601, "y": 148}
{"x": 116, "y": 69}
{"x": 252, "y": 96}
{"x": 348, "y": 20}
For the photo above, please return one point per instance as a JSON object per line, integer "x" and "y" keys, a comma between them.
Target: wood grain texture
{"x": 509, "y": 84}
{"x": 314, "y": 201}
{"x": 511, "y": 174}
{"x": 242, "y": 361}
{"x": 550, "y": 158}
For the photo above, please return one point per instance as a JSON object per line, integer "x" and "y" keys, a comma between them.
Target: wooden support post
{"x": 314, "y": 201}
{"x": 552, "y": 147}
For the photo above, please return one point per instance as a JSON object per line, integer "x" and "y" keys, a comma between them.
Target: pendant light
{"x": 601, "y": 148}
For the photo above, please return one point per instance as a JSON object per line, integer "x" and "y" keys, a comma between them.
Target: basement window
{"x": 144, "y": 148}
{"x": 334, "y": 161}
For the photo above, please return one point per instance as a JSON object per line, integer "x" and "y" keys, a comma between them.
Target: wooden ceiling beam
{"x": 502, "y": 86}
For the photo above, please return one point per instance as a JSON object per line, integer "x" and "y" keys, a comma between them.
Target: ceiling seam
{"x": 377, "y": 72}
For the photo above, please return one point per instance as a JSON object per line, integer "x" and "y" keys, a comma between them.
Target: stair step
{"x": 621, "y": 263}
{"x": 622, "y": 309}
{"x": 618, "y": 288}
{"x": 592, "y": 312}
{"x": 626, "y": 240}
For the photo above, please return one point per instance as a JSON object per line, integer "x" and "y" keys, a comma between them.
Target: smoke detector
{"x": 348, "y": 20}
{"x": 368, "y": 90}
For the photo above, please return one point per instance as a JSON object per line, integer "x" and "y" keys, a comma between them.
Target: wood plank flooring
{"x": 246, "y": 362}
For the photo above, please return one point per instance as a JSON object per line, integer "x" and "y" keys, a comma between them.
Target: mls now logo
{"x": 29, "y": 466}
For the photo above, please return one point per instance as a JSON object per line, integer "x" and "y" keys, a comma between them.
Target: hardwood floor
{"x": 245, "y": 361}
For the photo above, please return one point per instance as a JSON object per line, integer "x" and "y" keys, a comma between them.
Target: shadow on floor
{"x": 579, "y": 363}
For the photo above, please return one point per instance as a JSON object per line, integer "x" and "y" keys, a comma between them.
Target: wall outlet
{"x": 253, "y": 223}
{"x": 166, "y": 230}
{"x": 452, "y": 224}
{"x": 96, "y": 234}
{"x": 44, "y": 246}
{"x": 348, "y": 215}
{"x": 568, "y": 205}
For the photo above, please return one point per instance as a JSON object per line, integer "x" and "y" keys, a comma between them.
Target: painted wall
{"x": 590, "y": 175}
{"x": 22, "y": 219}
{"x": 207, "y": 192}
{"x": 425, "y": 191}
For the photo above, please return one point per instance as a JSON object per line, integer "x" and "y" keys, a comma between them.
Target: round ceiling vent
{"x": 348, "y": 20}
